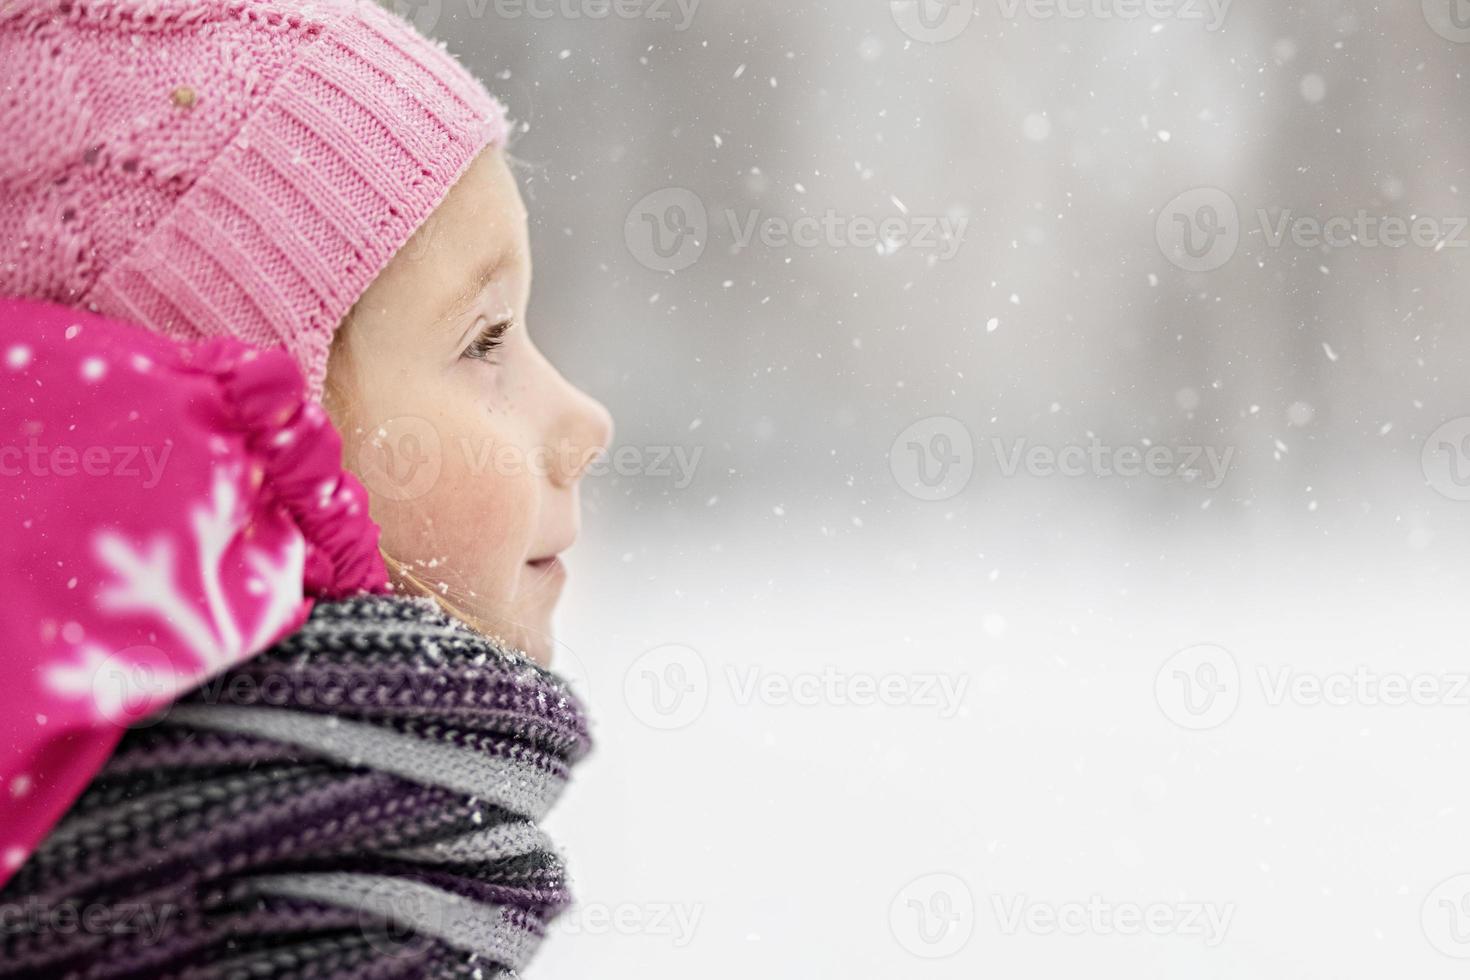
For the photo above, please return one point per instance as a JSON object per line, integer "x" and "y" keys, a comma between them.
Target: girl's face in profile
{"x": 470, "y": 443}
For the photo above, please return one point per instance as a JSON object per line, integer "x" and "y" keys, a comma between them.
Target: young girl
{"x": 312, "y": 177}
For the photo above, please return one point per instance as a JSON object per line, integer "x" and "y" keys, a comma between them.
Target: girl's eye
{"x": 488, "y": 341}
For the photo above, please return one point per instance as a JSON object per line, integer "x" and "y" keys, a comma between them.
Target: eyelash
{"x": 488, "y": 341}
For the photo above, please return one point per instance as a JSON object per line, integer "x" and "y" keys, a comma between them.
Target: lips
{"x": 546, "y": 560}
{"x": 551, "y": 565}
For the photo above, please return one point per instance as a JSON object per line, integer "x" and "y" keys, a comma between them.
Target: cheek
{"x": 472, "y": 525}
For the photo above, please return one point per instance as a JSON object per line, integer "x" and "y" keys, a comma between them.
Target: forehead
{"x": 480, "y": 222}
{"x": 485, "y": 204}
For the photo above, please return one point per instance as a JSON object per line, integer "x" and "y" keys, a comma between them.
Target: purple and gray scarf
{"x": 359, "y": 801}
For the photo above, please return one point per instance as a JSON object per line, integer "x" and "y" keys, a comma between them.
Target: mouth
{"x": 550, "y": 565}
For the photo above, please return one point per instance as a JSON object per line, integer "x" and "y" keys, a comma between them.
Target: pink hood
{"x": 167, "y": 511}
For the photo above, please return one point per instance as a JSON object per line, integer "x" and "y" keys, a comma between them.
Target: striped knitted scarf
{"x": 359, "y": 801}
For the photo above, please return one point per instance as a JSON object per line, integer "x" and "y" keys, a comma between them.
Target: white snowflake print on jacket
{"x": 124, "y": 684}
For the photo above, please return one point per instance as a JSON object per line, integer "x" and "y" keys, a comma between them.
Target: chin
{"x": 531, "y": 635}
{"x": 539, "y": 648}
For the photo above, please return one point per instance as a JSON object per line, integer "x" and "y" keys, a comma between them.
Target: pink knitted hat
{"x": 211, "y": 168}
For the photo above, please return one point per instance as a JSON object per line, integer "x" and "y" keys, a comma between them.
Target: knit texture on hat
{"x": 214, "y": 168}
{"x": 361, "y": 801}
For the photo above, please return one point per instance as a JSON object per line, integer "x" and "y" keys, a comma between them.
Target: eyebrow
{"x": 486, "y": 272}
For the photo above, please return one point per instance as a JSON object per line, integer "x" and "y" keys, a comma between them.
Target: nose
{"x": 586, "y": 430}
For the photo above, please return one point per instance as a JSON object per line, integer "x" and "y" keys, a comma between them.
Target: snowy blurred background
{"x": 895, "y": 673}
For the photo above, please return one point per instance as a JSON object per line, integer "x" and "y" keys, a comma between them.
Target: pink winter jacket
{"x": 166, "y": 511}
